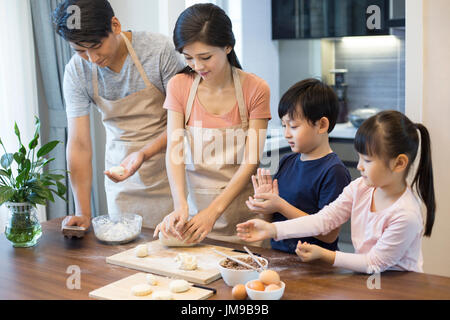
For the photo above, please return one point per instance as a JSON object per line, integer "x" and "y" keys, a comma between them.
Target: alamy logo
{"x": 74, "y": 280}
{"x": 74, "y": 20}
{"x": 374, "y": 281}
{"x": 374, "y": 20}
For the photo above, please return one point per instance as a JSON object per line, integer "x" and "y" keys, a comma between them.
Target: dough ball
{"x": 173, "y": 242}
{"x": 141, "y": 251}
{"x": 186, "y": 261}
{"x": 151, "y": 279}
{"x": 141, "y": 290}
{"x": 177, "y": 286}
{"x": 120, "y": 171}
{"x": 162, "y": 295}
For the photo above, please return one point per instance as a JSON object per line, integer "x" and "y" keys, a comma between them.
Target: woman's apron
{"x": 212, "y": 158}
{"x": 131, "y": 123}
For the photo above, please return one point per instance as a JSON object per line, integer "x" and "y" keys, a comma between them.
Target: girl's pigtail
{"x": 424, "y": 178}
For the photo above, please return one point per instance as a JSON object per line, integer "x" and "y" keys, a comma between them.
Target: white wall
{"x": 137, "y": 15}
{"x": 259, "y": 51}
{"x": 432, "y": 104}
{"x": 299, "y": 59}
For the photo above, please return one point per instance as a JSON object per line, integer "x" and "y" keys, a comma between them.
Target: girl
{"x": 386, "y": 220}
{"x": 216, "y": 102}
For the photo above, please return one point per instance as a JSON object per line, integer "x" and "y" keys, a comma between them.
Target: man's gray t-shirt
{"x": 157, "y": 55}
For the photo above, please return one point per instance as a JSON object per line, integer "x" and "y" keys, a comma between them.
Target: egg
{"x": 256, "y": 285}
{"x": 272, "y": 287}
{"x": 269, "y": 277}
{"x": 238, "y": 292}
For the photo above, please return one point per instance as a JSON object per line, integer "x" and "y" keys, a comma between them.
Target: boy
{"x": 313, "y": 175}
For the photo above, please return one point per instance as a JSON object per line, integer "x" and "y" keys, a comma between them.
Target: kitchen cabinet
{"x": 309, "y": 19}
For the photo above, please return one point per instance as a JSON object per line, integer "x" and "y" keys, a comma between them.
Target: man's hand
{"x": 79, "y": 221}
{"x": 131, "y": 164}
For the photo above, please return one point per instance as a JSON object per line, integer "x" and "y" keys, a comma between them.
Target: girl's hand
{"x": 196, "y": 229}
{"x": 262, "y": 182}
{"x": 131, "y": 164}
{"x": 308, "y": 252}
{"x": 271, "y": 202}
{"x": 173, "y": 223}
{"x": 255, "y": 230}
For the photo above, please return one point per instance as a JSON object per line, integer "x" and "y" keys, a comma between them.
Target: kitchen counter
{"x": 40, "y": 272}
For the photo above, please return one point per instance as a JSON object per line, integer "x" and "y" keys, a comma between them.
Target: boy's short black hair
{"x": 95, "y": 21}
{"x": 311, "y": 99}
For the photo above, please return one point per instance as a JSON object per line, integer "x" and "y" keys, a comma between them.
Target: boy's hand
{"x": 266, "y": 203}
{"x": 262, "y": 182}
{"x": 255, "y": 230}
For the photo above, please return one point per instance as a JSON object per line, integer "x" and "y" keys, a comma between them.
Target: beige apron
{"x": 131, "y": 123}
{"x": 210, "y": 169}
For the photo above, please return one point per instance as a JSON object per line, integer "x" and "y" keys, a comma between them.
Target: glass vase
{"x": 22, "y": 227}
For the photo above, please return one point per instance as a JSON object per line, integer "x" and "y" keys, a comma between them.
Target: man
{"x": 124, "y": 75}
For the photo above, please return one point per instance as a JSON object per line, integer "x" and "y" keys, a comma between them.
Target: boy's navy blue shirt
{"x": 309, "y": 186}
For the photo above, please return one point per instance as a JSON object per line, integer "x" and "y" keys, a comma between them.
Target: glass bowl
{"x": 117, "y": 230}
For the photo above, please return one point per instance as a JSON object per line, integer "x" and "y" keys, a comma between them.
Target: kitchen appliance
{"x": 340, "y": 88}
{"x": 358, "y": 116}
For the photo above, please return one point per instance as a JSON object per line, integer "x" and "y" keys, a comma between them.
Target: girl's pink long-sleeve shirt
{"x": 386, "y": 239}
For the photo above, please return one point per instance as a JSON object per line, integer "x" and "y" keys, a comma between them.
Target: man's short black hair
{"x": 311, "y": 99}
{"x": 95, "y": 21}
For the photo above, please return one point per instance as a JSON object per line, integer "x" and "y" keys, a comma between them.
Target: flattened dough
{"x": 151, "y": 279}
{"x": 141, "y": 290}
{"x": 162, "y": 295}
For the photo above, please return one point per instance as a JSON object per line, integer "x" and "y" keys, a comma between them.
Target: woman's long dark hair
{"x": 389, "y": 134}
{"x": 207, "y": 23}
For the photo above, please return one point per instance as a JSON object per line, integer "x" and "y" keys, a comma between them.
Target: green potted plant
{"x": 30, "y": 186}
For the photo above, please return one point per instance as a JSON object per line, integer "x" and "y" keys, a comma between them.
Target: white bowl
{"x": 265, "y": 295}
{"x": 233, "y": 277}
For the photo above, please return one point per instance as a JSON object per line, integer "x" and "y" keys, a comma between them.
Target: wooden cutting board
{"x": 121, "y": 290}
{"x": 161, "y": 260}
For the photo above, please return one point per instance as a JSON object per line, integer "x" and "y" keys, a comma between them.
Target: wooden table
{"x": 40, "y": 272}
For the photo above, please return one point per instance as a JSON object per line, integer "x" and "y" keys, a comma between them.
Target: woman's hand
{"x": 266, "y": 203}
{"x": 196, "y": 229}
{"x": 131, "y": 164}
{"x": 172, "y": 224}
{"x": 256, "y": 230}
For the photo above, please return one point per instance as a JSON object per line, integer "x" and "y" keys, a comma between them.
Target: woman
{"x": 225, "y": 112}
